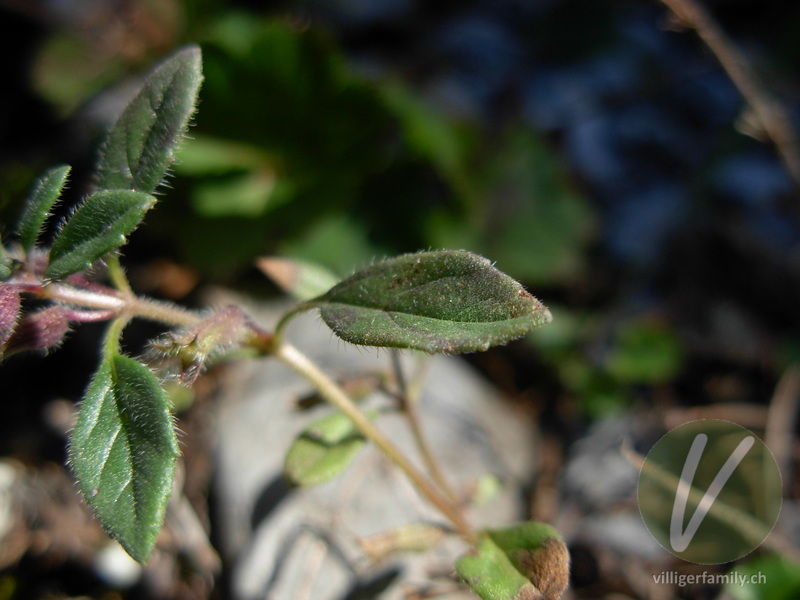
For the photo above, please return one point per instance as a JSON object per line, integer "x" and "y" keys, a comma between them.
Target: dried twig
{"x": 768, "y": 110}
{"x": 782, "y": 415}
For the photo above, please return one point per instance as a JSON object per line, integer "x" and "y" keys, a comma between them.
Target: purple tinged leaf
{"x": 41, "y": 330}
{"x": 9, "y": 312}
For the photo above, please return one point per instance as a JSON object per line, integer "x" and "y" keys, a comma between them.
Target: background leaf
{"x": 98, "y": 226}
{"x": 323, "y": 450}
{"x": 302, "y": 279}
{"x": 39, "y": 204}
{"x": 770, "y": 577}
{"x": 444, "y": 301}
{"x": 123, "y": 451}
{"x": 141, "y": 146}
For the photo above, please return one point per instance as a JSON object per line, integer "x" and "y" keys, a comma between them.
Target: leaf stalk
{"x": 329, "y": 390}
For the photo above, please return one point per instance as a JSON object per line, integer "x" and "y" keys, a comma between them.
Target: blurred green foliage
{"x": 641, "y": 351}
{"x": 294, "y": 153}
{"x": 770, "y": 577}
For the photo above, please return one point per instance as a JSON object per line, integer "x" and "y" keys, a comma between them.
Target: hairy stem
{"x": 329, "y": 390}
{"x": 117, "y": 275}
{"x": 117, "y": 303}
{"x": 296, "y": 310}
{"x": 113, "y": 334}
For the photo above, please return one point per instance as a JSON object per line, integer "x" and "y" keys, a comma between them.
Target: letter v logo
{"x": 709, "y": 491}
{"x": 680, "y": 540}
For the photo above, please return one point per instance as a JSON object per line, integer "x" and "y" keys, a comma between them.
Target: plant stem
{"x": 124, "y": 307}
{"x": 117, "y": 275}
{"x": 132, "y": 306}
{"x": 113, "y": 334}
{"x": 329, "y": 390}
{"x": 409, "y": 404}
{"x": 295, "y": 310}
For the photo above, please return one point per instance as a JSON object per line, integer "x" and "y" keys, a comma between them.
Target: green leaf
{"x": 443, "y": 301}
{"x": 431, "y": 135}
{"x": 123, "y": 452}
{"x": 6, "y": 263}
{"x": 526, "y": 561}
{"x": 538, "y": 552}
{"x": 39, "y": 204}
{"x": 323, "y": 450}
{"x": 770, "y": 577}
{"x": 644, "y": 351}
{"x": 97, "y": 227}
{"x": 491, "y": 575}
{"x": 141, "y": 146}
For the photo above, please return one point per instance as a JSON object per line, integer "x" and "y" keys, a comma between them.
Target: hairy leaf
{"x": 41, "y": 330}
{"x": 538, "y": 552}
{"x": 6, "y": 264}
{"x": 323, "y": 450}
{"x": 443, "y": 301}
{"x": 528, "y": 561}
{"x": 9, "y": 312}
{"x": 490, "y": 574}
{"x": 99, "y": 226}
{"x": 141, "y": 146}
{"x": 38, "y": 206}
{"x": 123, "y": 451}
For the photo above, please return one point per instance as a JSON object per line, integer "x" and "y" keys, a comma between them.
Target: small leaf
{"x": 123, "y": 452}
{"x": 41, "y": 330}
{"x": 303, "y": 280}
{"x": 6, "y": 264}
{"x": 538, "y": 552}
{"x": 6, "y": 268}
{"x": 490, "y": 574}
{"x": 444, "y": 301}
{"x": 97, "y": 227}
{"x": 141, "y": 145}
{"x": 39, "y": 204}
{"x": 323, "y": 450}
{"x": 194, "y": 345}
{"x": 9, "y": 312}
